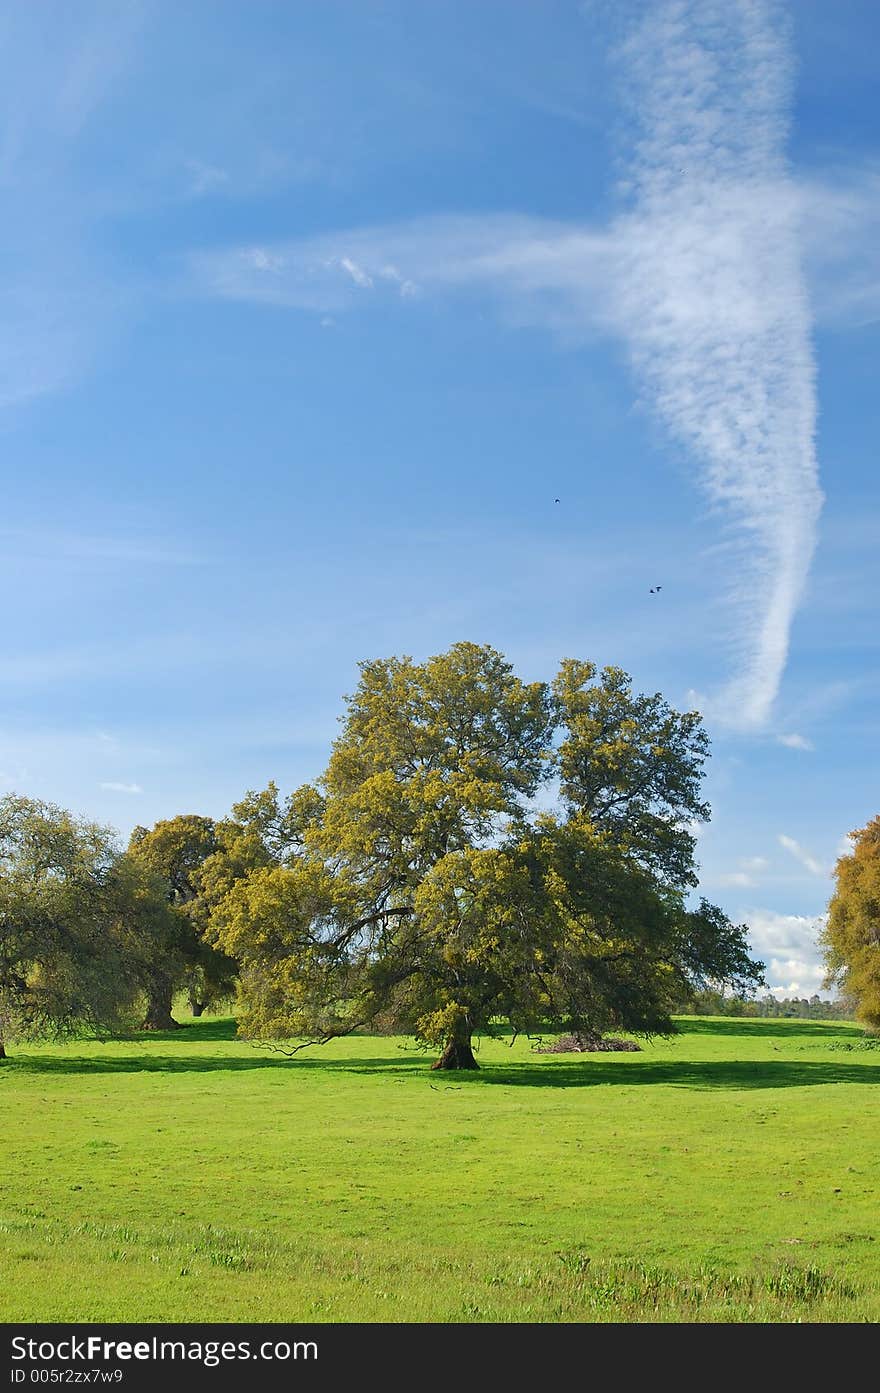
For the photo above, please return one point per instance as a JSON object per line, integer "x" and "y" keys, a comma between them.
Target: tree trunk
{"x": 457, "y": 1053}
{"x": 197, "y": 1007}
{"x": 159, "y": 1015}
{"x": 2, "y": 1051}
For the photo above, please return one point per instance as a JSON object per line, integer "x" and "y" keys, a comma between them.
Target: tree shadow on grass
{"x": 701, "y": 1074}
{"x": 777, "y": 1028}
{"x": 194, "y": 1032}
{"x": 592, "y": 1073}
{"x": 147, "y": 1063}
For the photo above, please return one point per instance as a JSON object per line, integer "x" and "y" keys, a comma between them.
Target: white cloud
{"x": 711, "y": 298}
{"x": 408, "y": 288}
{"x": 701, "y": 278}
{"x": 262, "y": 260}
{"x": 795, "y": 741}
{"x": 800, "y": 854}
{"x": 113, "y": 787}
{"x": 800, "y": 978}
{"x": 360, "y": 277}
{"x": 749, "y": 867}
{"x": 545, "y": 273}
{"x": 788, "y": 945}
{"x": 735, "y": 878}
{"x": 755, "y": 863}
{"x": 841, "y": 228}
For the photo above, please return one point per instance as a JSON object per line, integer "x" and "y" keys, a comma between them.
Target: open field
{"x": 730, "y": 1173}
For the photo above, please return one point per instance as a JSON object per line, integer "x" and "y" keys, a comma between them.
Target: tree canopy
{"x": 81, "y": 924}
{"x": 481, "y": 849}
{"x": 851, "y": 938}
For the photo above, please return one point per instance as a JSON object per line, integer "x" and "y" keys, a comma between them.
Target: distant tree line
{"x": 814, "y": 1008}
{"x": 479, "y": 850}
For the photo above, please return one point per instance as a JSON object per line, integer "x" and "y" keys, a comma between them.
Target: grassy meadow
{"x": 729, "y": 1173}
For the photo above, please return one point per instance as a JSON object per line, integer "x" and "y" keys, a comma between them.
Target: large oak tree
{"x": 482, "y": 849}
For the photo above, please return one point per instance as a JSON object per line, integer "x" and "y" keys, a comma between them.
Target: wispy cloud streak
{"x": 711, "y": 299}
{"x": 801, "y": 854}
{"x": 700, "y": 275}
{"x": 795, "y": 741}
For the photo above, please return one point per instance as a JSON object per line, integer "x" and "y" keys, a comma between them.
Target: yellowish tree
{"x": 851, "y": 938}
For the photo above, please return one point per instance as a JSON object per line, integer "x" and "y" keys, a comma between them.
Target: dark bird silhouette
{"x": 655, "y": 589}
{"x": 556, "y": 500}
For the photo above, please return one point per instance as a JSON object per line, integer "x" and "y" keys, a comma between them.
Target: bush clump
{"x": 583, "y": 1044}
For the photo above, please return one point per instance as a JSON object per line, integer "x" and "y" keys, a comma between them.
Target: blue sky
{"x": 311, "y": 311}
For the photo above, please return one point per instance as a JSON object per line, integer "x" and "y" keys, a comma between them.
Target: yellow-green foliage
{"x": 420, "y": 888}
{"x": 852, "y": 934}
{"x": 79, "y": 923}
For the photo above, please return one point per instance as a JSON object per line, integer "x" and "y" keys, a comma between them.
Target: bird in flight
{"x": 655, "y": 589}
{"x": 556, "y": 500}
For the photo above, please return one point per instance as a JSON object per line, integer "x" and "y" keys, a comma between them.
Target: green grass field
{"x": 730, "y": 1173}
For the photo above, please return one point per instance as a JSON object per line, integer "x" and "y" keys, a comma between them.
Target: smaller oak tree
{"x": 81, "y": 924}
{"x": 176, "y": 850}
